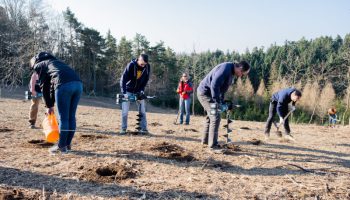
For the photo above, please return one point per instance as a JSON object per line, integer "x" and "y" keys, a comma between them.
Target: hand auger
{"x": 228, "y": 106}
{"x": 28, "y": 95}
{"x": 134, "y": 98}
{"x": 120, "y": 98}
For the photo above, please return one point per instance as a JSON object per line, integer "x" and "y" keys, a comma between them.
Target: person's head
{"x": 241, "y": 69}
{"x": 184, "y": 77}
{"x": 296, "y": 95}
{"x": 142, "y": 61}
{"x": 40, "y": 57}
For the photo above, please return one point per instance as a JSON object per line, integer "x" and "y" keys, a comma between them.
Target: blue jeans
{"x": 185, "y": 105}
{"x": 142, "y": 110}
{"x": 67, "y": 98}
{"x": 332, "y": 119}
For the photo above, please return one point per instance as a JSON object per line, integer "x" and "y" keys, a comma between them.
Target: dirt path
{"x": 170, "y": 163}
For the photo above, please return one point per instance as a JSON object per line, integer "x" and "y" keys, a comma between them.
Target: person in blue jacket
{"x": 212, "y": 89}
{"x": 280, "y": 103}
{"x": 132, "y": 83}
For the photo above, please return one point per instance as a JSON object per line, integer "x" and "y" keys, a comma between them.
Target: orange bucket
{"x": 50, "y": 128}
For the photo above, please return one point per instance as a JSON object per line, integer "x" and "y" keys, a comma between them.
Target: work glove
{"x": 223, "y": 107}
{"x": 281, "y": 120}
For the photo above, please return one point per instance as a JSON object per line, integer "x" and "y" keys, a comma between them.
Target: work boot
{"x": 288, "y": 136}
{"x": 122, "y": 132}
{"x": 144, "y": 132}
{"x": 56, "y": 149}
{"x": 216, "y": 149}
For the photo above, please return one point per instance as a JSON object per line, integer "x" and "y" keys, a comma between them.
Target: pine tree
{"x": 261, "y": 93}
{"x": 305, "y": 100}
{"x": 239, "y": 89}
{"x": 248, "y": 91}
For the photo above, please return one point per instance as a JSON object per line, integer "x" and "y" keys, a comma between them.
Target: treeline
{"x": 319, "y": 67}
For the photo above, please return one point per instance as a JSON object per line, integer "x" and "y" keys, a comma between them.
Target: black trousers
{"x": 272, "y": 113}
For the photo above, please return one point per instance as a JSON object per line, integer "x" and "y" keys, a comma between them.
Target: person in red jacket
{"x": 184, "y": 90}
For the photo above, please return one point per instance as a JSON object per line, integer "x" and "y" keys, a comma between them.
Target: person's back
{"x": 217, "y": 81}
{"x": 59, "y": 72}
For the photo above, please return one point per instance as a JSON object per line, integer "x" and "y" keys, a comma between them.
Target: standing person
{"x": 212, "y": 89}
{"x": 332, "y": 114}
{"x": 280, "y": 103}
{"x": 34, "y": 88}
{"x": 185, "y": 90}
{"x": 132, "y": 83}
{"x": 60, "y": 84}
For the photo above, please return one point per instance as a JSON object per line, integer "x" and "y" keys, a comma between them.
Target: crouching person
{"x": 132, "y": 83}
{"x": 280, "y": 104}
{"x": 60, "y": 85}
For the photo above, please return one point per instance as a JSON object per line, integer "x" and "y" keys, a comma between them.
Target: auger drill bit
{"x": 227, "y": 126}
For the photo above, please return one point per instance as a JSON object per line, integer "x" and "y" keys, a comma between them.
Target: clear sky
{"x": 213, "y": 24}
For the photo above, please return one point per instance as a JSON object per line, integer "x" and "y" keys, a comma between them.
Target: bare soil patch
{"x": 172, "y": 151}
{"x": 110, "y": 173}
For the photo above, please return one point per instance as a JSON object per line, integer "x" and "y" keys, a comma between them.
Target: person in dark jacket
{"x": 185, "y": 90}
{"x": 212, "y": 89}
{"x": 280, "y": 103}
{"x": 60, "y": 85}
{"x": 132, "y": 83}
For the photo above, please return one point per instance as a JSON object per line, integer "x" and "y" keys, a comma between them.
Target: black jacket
{"x": 52, "y": 73}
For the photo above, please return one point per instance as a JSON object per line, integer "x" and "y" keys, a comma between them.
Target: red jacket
{"x": 184, "y": 89}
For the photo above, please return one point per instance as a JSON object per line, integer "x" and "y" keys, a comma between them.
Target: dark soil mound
{"x": 172, "y": 151}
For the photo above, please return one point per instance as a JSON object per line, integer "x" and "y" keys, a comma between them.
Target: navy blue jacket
{"x": 217, "y": 82}
{"x": 283, "y": 98}
{"x": 129, "y": 81}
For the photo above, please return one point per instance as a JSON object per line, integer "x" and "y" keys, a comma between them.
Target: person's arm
{"x": 178, "y": 90}
{"x": 282, "y": 105}
{"x": 217, "y": 82}
{"x": 142, "y": 88}
{"x": 189, "y": 88}
{"x": 45, "y": 83}
{"x": 125, "y": 78}
{"x": 33, "y": 80}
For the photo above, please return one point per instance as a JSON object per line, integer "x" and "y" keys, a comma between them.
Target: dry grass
{"x": 315, "y": 166}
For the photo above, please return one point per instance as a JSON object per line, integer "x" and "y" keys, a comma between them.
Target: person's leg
{"x": 78, "y": 89}
{"x": 63, "y": 100}
{"x": 181, "y": 110}
{"x": 214, "y": 129}
{"x": 142, "y": 111}
{"x": 203, "y": 100}
{"x": 33, "y": 113}
{"x": 188, "y": 110}
{"x": 272, "y": 112}
{"x": 286, "y": 126}
{"x": 125, "y": 110}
